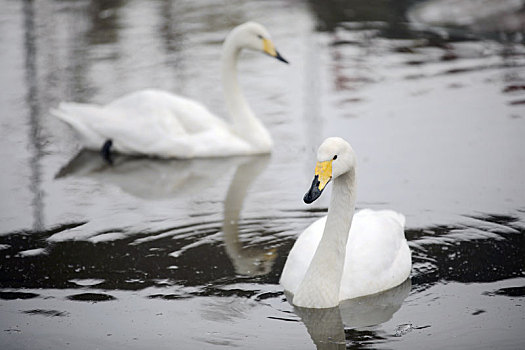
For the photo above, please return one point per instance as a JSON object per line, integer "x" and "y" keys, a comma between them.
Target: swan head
{"x": 254, "y": 36}
{"x": 335, "y": 157}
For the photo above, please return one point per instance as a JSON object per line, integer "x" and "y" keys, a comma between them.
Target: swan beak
{"x": 269, "y": 49}
{"x": 323, "y": 175}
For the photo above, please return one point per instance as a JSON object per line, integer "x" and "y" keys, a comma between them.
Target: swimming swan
{"x": 330, "y": 262}
{"x": 161, "y": 124}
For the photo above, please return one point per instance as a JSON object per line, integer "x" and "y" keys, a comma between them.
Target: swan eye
{"x": 335, "y": 157}
{"x": 259, "y": 36}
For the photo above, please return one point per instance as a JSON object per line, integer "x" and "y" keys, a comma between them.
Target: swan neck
{"x": 342, "y": 204}
{"x": 321, "y": 284}
{"x": 235, "y": 101}
{"x": 244, "y": 122}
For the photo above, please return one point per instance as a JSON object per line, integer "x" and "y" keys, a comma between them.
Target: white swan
{"x": 161, "y": 124}
{"x": 330, "y": 262}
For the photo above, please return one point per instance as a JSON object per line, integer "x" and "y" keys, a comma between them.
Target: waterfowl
{"x": 161, "y": 124}
{"x": 343, "y": 256}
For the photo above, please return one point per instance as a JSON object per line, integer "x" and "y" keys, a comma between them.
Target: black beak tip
{"x": 308, "y": 198}
{"x": 314, "y": 192}
{"x": 281, "y": 58}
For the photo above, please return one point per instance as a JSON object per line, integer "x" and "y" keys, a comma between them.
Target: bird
{"x": 161, "y": 124}
{"x": 344, "y": 255}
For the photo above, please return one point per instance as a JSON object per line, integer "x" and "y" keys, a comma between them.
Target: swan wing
{"x": 186, "y": 115}
{"x": 82, "y": 117}
{"x": 377, "y": 254}
{"x": 130, "y": 133}
{"x": 301, "y": 255}
{"x": 151, "y": 122}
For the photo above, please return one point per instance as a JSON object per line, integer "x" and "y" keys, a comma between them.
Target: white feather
{"x": 159, "y": 123}
{"x": 376, "y": 258}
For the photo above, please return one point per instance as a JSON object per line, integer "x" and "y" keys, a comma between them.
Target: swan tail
{"x": 83, "y": 118}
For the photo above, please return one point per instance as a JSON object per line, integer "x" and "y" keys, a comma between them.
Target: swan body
{"x": 158, "y": 123}
{"x": 344, "y": 255}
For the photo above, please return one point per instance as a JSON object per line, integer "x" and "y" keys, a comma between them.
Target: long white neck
{"x": 320, "y": 286}
{"x": 244, "y": 122}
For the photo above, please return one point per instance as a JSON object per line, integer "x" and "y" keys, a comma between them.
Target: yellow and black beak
{"x": 323, "y": 175}
{"x": 269, "y": 49}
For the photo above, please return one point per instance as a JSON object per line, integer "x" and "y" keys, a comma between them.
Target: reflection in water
{"x": 153, "y": 179}
{"x": 148, "y": 178}
{"x": 104, "y": 22}
{"x": 34, "y": 115}
{"x": 480, "y": 16}
{"x": 396, "y": 19}
{"x": 335, "y": 13}
{"x": 490, "y": 248}
{"x": 250, "y": 261}
{"x": 374, "y": 309}
{"x": 327, "y": 326}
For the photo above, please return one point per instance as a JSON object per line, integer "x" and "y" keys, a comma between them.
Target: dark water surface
{"x": 168, "y": 254}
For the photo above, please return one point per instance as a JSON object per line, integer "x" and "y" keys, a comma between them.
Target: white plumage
{"x": 372, "y": 233}
{"x": 162, "y": 124}
{"x": 370, "y": 256}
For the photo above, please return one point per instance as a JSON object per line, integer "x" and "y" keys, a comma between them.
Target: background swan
{"x": 330, "y": 262}
{"x": 158, "y": 123}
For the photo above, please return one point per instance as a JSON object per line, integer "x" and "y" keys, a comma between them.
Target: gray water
{"x": 169, "y": 254}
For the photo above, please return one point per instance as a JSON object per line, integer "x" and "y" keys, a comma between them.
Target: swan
{"x": 161, "y": 124}
{"x": 330, "y": 262}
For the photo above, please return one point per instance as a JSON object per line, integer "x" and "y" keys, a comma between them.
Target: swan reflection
{"x": 155, "y": 179}
{"x": 326, "y": 326}
{"x": 148, "y": 178}
{"x": 249, "y": 261}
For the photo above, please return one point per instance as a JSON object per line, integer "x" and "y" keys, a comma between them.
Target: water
{"x": 187, "y": 254}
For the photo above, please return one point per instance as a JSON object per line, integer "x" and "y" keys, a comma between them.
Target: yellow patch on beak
{"x": 269, "y": 48}
{"x": 324, "y": 171}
